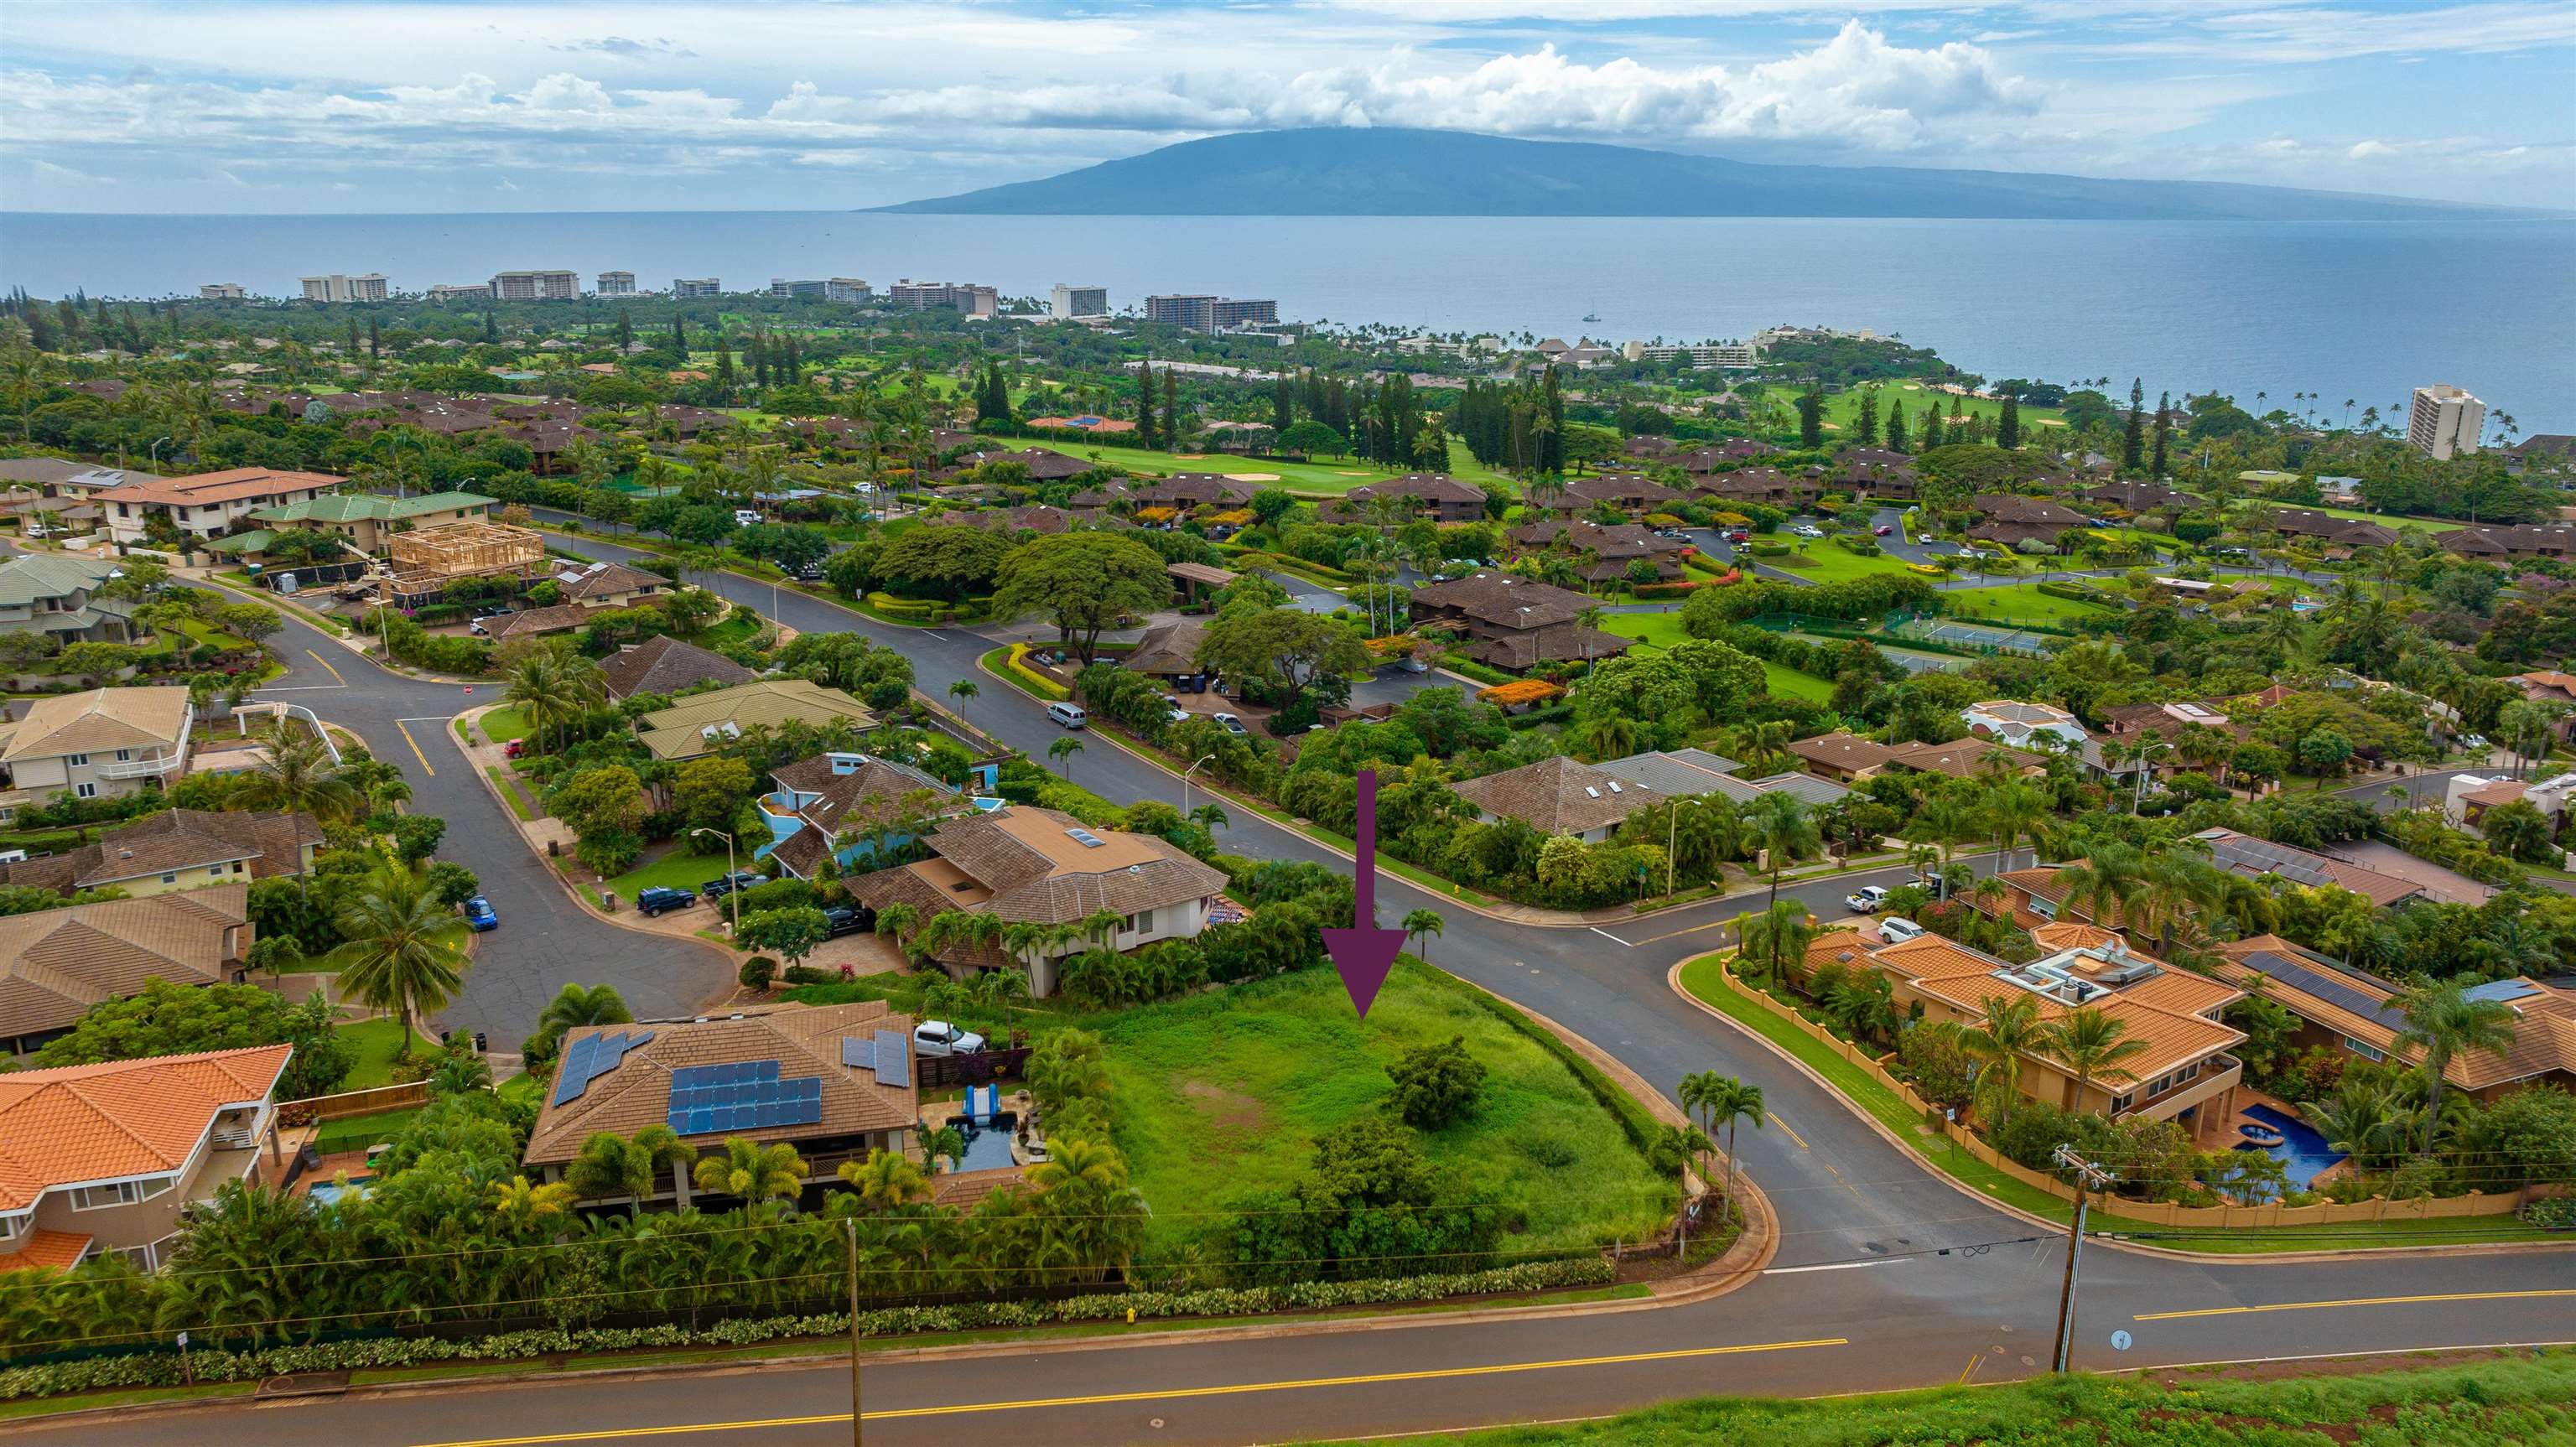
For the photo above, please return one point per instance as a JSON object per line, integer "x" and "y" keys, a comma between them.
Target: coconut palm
{"x": 2104, "y": 886}
{"x": 887, "y": 1180}
{"x": 1725, "y": 1101}
{"x": 520, "y": 1205}
{"x": 2014, "y": 810}
{"x": 576, "y": 1005}
{"x": 2010, "y": 1030}
{"x": 1775, "y": 937}
{"x": 297, "y": 773}
{"x": 1419, "y": 925}
{"x": 1000, "y": 990}
{"x": 1781, "y": 825}
{"x": 1864, "y": 1003}
{"x": 1061, "y": 752}
{"x": 1945, "y": 821}
{"x": 2089, "y": 1043}
{"x": 896, "y": 921}
{"x": 752, "y": 1171}
{"x": 401, "y": 949}
{"x": 2443, "y": 1021}
{"x": 941, "y": 1143}
{"x": 610, "y": 1165}
{"x": 552, "y": 688}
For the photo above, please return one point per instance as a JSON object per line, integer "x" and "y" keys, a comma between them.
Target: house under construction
{"x": 426, "y": 560}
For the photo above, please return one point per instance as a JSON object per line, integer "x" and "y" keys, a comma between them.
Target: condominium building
{"x": 342, "y": 288}
{"x": 1209, "y": 313}
{"x": 222, "y": 291}
{"x": 848, "y": 289}
{"x": 466, "y": 291}
{"x": 617, "y": 283}
{"x": 703, "y": 286}
{"x": 967, "y": 297}
{"x": 1067, "y": 302}
{"x": 2445, "y": 420}
{"x": 535, "y": 285}
{"x": 1713, "y": 354}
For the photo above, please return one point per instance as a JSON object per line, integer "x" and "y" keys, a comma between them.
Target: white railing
{"x": 141, "y": 768}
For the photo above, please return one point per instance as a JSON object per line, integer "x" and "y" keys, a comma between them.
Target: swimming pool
{"x": 988, "y": 1147}
{"x": 329, "y": 1193}
{"x": 2303, "y": 1154}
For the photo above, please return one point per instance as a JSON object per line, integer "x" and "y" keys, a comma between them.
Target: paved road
{"x": 546, "y": 940}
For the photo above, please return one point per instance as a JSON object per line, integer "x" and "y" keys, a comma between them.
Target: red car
{"x": 511, "y": 750}
{"x": 1883, "y": 530}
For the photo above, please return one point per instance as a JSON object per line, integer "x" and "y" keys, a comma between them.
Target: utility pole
{"x": 2089, "y": 1177}
{"x": 851, "y": 1225}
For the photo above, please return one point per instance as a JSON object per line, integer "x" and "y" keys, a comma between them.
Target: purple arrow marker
{"x": 1365, "y": 953}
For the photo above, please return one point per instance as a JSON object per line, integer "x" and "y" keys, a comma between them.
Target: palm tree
{"x": 521, "y": 1205}
{"x": 887, "y": 1180}
{"x": 401, "y": 948}
{"x": 2443, "y": 1021}
{"x": 963, "y": 689}
{"x": 2104, "y": 886}
{"x": 1780, "y": 825}
{"x": 1210, "y": 817}
{"x": 999, "y": 990}
{"x": 751, "y": 1171}
{"x": 1864, "y": 1003}
{"x": 1778, "y": 934}
{"x": 1945, "y": 821}
{"x": 1060, "y": 752}
{"x": 1419, "y": 925}
{"x": 1726, "y": 1101}
{"x": 298, "y": 774}
{"x": 574, "y": 1005}
{"x": 611, "y": 1166}
{"x": 2014, "y": 810}
{"x": 896, "y": 920}
{"x": 2089, "y": 1043}
{"x": 2010, "y": 1030}
{"x": 552, "y": 689}
{"x": 1607, "y": 735}
{"x": 942, "y": 1143}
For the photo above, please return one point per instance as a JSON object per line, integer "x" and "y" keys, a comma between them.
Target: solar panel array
{"x": 2502, "y": 990}
{"x": 591, "y": 1057}
{"x": 2325, "y": 987}
{"x": 744, "y": 1095}
{"x": 858, "y": 1052}
{"x": 2257, "y": 857}
{"x": 894, "y": 1058}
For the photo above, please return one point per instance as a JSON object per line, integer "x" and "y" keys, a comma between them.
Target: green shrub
{"x": 757, "y": 972}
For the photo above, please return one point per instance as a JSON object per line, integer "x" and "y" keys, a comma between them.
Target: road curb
{"x": 1673, "y": 978}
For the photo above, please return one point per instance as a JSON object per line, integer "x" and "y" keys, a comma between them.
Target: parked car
{"x": 659, "y": 900}
{"x": 1068, "y": 715}
{"x": 847, "y": 921}
{"x": 1882, "y": 530}
{"x": 1231, "y": 724}
{"x": 938, "y": 1037}
{"x": 1172, "y": 710}
{"x": 744, "y": 517}
{"x": 1740, "y": 535}
{"x": 722, "y": 885}
{"x": 478, "y": 913}
{"x": 1926, "y": 539}
{"x": 1896, "y": 930}
{"x": 1868, "y": 899}
{"x": 514, "y": 748}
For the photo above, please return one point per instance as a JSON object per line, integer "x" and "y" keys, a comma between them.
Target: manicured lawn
{"x": 739, "y": 626}
{"x": 1913, "y": 392}
{"x": 376, "y": 1043}
{"x": 679, "y": 869}
{"x": 504, "y": 724}
{"x": 1663, "y": 630}
{"x": 514, "y": 792}
{"x": 2018, "y": 601}
{"x": 357, "y": 1132}
{"x": 2501, "y": 1398}
{"x": 1328, "y": 475}
{"x": 1218, "y": 1094}
{"x": 1826, "y": 561}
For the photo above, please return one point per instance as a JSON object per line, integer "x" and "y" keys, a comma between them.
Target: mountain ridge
{"x": 1360, "y": 171}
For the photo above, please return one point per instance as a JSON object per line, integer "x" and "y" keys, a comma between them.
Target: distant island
{"x": 1349, "y": 171}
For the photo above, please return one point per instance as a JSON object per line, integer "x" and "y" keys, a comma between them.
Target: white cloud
{"x": 2369, "y": 150}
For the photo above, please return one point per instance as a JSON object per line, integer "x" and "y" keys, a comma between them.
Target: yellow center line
{"x": 1784, "y": 1125}
{"x": 326, "y": 666}
{"x": 2354, "y": 1301}
{"x": 1970, "y": 1369}
{"x": 415, "y": 750}
{"x": 1686, "y": 930}
{"x": 1166, "y": 1394}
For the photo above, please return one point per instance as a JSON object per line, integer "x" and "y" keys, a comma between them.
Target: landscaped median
{"x": 1952, "y": 1150}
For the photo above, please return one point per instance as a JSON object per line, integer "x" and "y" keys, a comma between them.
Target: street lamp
{"x": 733, "y": 896}
{"x": 2146, "y": 746}
{"x": 1672, "y": 832}
{"x": 1185, "y": 783}
{"x": 154, "y": 452}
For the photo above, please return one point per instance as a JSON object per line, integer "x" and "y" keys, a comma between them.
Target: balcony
{"x": 154, "y": 767}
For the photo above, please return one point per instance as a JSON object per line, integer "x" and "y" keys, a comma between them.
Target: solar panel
{"x": 576, "y": 1071}
{"x": 2257, "y": 857}
{"x": 894, "y": 1058}
{"x": 2333, "y": 991}
{"x": 2505, "y": 990}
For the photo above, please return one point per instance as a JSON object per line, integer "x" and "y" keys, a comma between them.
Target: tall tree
{"x": 2008, "y": 423}
{"x": 402, "y": 948}
{"x": 2089, "y": 1042}
{"x": 1171, "y": 408}
{"x": 1932, "y": 437}
{"x": 1865, "y": 422}
{"x": 2133, "y": 439}
{"x": 1811, "y": 417}
{"x": 1145, "y": 403}
{"x": 2443, "y": 1022}
{"x": 2164, "y": 432}
{"x": 1896, "y": 426}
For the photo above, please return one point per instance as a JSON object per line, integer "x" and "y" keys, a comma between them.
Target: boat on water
{"x": 1591, "y": 316}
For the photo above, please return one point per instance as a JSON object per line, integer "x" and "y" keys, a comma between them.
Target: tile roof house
{"x": 56, "y": 595}
{"x": 178, "y": 849}
{"x": 2522, "y": 540}
{"x": 834, "y": 1081}
{"x": 1608, "y": 550}
{"x": 538, "y": 622}
{"x": 666, "y": 665}
{"x": 207, "y": 504}
{"x": 843, "y": 804}
{"x": 365, "y": 520}
{"x": 2011, "y": 519}
{"x": 1513, "y": 622}
{"x": 2245, "y": 855}
{"x": 1558, "y": 796}
{"x": 2357, "y": 1014}
{"x": 703, "y": 723}
{"x": 1630, "y": 492}
{"x": 609, "y": 585}
{"x": 2340, "y": 532}
{"x": 1047, "y": 466}
{"x": 1965, "y": 758}
{"x": 2015, "y": 722}
{"x": 1842, "y": 756}
{"x": 1026, "y": 865}
{"x": 99, "y": 1158}
{"x": 2137, "y": 495}
{"x": 1446, "y": 498}
{"x": 57, "y": 963}
{"x": 106, "y": 743}
{"x": 2184, "y": 1074}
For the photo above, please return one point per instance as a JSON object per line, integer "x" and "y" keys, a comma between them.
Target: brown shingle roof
{"x": 57, "y": 963}
{"x": 1027, "y": 866}
{"x": 1960, "y": 758}
{"x": 1504, "y": 600}
{"x": 271, "y": 844}
{"x": 1558, "y": 796}
{"x": 1842, "y": 751}
{"x": 666, "y": 664}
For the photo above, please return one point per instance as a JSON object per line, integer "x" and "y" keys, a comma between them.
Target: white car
{"x": 938, "y": 1037}
{"x": 1868, "y": 899}
{"x": 744, "y": 517}
{"x": 1926, "y": 539}
{"x": 1230, "y": 724}
{"x": 1896, "y": 930}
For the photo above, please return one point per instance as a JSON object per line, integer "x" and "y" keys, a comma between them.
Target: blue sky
{"x": 434, "y": 105}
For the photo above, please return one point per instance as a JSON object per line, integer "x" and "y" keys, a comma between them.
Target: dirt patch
{"x": 1348, "y": 472}
{"x": 1231, "y": 1111}
{"x": 2329, "y": 1367}
{"x": 1252, "y": 477}
{"x": 1190, "y": 457}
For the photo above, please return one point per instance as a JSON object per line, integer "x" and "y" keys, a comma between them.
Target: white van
{"x": 744, "y": 517}
{"x": 1068, "y": 714}
{"x": 1896, "y": 930}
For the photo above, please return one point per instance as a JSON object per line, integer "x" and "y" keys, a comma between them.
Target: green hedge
{"x": 1006, "y": 662}
{"x": 2074, "y": 592}
{"x": 1464, "y": 666}
{"x": 162, "y": 1368}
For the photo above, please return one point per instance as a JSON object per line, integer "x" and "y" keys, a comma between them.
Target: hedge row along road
{"x": 1861, "y": 1296}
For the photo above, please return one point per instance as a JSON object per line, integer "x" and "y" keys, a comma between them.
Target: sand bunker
{"x": 1252, "y": 477}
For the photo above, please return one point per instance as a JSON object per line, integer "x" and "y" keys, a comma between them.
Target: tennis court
{"x": 1971, "y": 635}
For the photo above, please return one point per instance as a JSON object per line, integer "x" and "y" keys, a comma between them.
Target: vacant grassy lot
{"x": 1663, "y": 630}
{"x": 2019, "y": 602}
{"x": 1221, "y": 1093}
{"x": 679, "y": 869}
{"x": 2502, "y": 1399}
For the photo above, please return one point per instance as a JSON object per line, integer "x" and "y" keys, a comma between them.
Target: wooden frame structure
{"x": 426, "y": 560}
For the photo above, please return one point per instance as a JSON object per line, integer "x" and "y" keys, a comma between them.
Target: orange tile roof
{"x": 51, "y": 1250}
{"x": 237, "y": 484}
{"x": 80, "y": 1123}
{"x": 2544, "y": 1029}
{"x": 2165, "y": 1011}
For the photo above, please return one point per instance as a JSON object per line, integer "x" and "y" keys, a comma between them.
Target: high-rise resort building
{"x": 535, "y": 285}
{"x": 617, "y": 283}
{"x": 1069, "y": 302}
{"x": 1209, "y": 313}
{"x": 2445, "y": 420}
{"x": 686, "y": 288}
{"x": 848, "y": 289}
{"x": 921, "y": 296}
{"x": 339, "y": 288}
{"x": 222, "y": 291}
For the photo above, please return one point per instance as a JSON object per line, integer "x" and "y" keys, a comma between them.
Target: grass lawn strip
{"x": 1703, "y": 979}
{"x": 2505, "y": 1398}
{"x": 376, "y": 1042}
{"x": 2018, "y": 602}
{"x": 509, "y": 787}
{"x": 1663, "y": 630}
{"x": 679, "y": 869}
{"x": 505, "y": 723}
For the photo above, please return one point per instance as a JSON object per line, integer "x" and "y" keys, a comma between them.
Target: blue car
{"x": 478, "y": 913}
